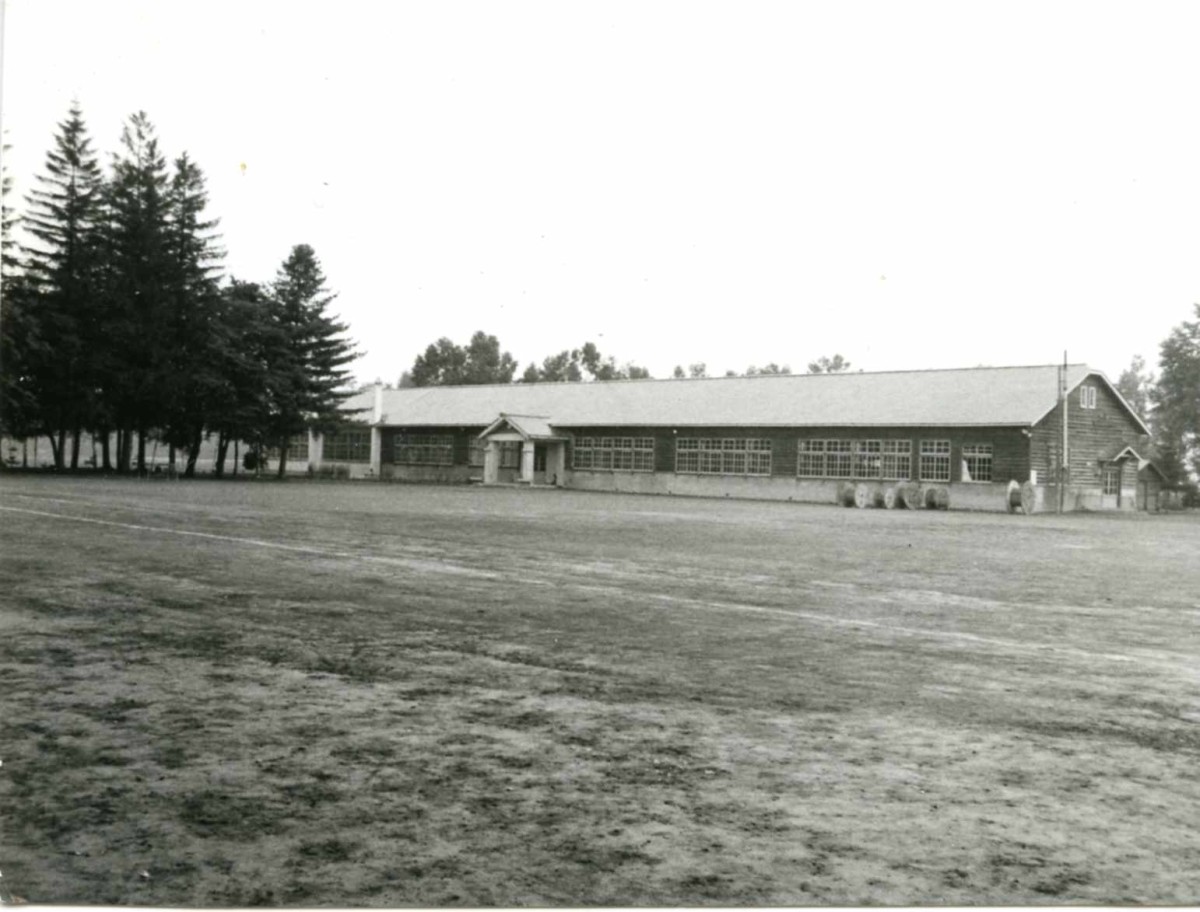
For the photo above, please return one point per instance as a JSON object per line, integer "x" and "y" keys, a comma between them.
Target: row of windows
{"x": 722, "y": 456}
{"x": 854, "y": 459}
{"x": 833, "y": 458}
{"x": 297, "y": 448}
{"x": 621, "y": 454}
{"x": 349, "y": 444}
{"x": 424, "y": 449}
{"x": 1087, "y": 396}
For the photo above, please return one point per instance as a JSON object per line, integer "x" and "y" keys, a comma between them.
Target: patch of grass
{"x": 648, "y": 701}
{"x": 325, "y": 850}
{"x": 215, "y": 815}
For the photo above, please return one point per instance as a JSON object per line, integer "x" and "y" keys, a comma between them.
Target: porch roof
{"x": 530, "y": 427}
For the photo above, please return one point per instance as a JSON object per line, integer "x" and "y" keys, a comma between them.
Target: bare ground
{"x": 353, "y": 694}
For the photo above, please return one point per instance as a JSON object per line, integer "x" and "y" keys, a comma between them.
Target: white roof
{"x": 981, "y": 396}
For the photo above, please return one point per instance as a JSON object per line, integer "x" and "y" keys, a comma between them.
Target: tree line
{"x": 445, "y": 363}
{"x": 118, "y": 322}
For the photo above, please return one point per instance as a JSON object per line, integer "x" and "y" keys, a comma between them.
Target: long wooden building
{"x": 956, "y": 438}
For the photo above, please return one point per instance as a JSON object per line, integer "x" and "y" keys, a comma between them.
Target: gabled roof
{"x": 1119, "y": 452}
{"x": 1074, "y": 382}
{"x": 982, "y": 396}
{"x": 531, "y": 427}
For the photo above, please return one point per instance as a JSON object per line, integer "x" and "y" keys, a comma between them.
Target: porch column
{"x": 491, "y": 462}
{"x": 527, "y": 462}
{"x": 559, "y": 466}
{"x": 376, "y": 450}
{"x": 315, "y": 442}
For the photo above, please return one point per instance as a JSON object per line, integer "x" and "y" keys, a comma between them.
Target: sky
{"x": 909, "y": 184}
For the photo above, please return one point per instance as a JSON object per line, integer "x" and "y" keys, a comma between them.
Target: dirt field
{"x": 354, "y": 694}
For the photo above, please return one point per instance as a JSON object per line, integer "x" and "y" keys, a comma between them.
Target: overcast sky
{"x": 910, "y": 184}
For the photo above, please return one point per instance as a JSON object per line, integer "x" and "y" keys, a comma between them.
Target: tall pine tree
{"x": 63, "y": 263}
{"x": 191, "y": 386}
{"x": 307, "y": 376}
{"x": 137, "y": 288}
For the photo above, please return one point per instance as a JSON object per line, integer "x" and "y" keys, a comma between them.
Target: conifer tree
{"x": 137, "y": 288}
{"x": 191, "y": 386}
{"x": 62, "y": 267}
{"x": 307, "y": 352}
{"x": 19, "y": 338}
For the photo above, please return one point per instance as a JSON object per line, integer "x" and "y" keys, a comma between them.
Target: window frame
{"x": 931, "y": 454}
{"x": 734, "y": 457}
{"x": 423, "y": 449}
{"x": 973, "y": 462}
{"x": 355, "y": 444}
{"x": 612, "y": 454}
{"x": 868, "y": 458}
{"x": 1112, "y": 473}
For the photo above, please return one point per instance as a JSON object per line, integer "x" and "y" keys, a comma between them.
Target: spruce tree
{"x": 19, "y": 338}
{"x": 307, "y": 380}
{"x": 137, "y": 288}
{"x": 62, "y": 268}
{"x": 191, "y": 386}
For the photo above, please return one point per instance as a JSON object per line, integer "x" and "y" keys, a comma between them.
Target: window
{"x": 810, "y": 458}
{"x": 722, "y": 456}
{"x": 868, "y": 458}
{"x": 297, "y": 448}
{"x": 621, "y": 454}
{"x": 897, "y": 460}
{"x": 510, "y": 455}
{"x": 854, "y": 459}
{"x": 1087, "y": 396}
{"x": 476, "y": 453}
{"x": 935, "y": 460}
{"x": 348, "y": 444}
{"x": 424, "y": 449}
{"x": 1112, "y": 479}
{"x": 977, "y": 462}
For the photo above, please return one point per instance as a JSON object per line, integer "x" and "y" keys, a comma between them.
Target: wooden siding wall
{"x": 1092, "y": 433}
{"x": 1009, "y": 445}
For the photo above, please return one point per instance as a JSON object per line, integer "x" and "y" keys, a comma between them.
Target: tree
{"x": 306, "y": 353}
{"x": 62, "y": 268}
{"x": 825, "y": 365}
{"x": 1176, "y": 401}
{"x": 8, "y": 217}
{"x": 698, "y": 370}
{"x": 486, "y": 363}
{"x": 678, "y": 373}
{"x": 446, "y": 364}
{"x": 771, "y": 368}
{"x": 244, "y": 345}
{"x": 1136, "y": 386}
{"x": 136, "y": 289}
{"x": 192, "y": 388}
{"x": 560, "y": 368}
{"x": 569, "y": 365}
{"x": 18, "y": 332}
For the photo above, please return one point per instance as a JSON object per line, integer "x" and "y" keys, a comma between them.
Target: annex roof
{"x": 981, "y": 396}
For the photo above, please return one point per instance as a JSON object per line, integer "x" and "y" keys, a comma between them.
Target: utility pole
{"x": 1064, "y": 467}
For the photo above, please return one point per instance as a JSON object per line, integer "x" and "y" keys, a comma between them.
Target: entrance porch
{"x": 523, "y": 449}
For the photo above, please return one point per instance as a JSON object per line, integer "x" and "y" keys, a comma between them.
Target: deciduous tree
{"x": 826, "y": 365}
{"x": 1176, "y": 402}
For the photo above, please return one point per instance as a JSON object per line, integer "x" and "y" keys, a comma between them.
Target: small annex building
{"x": 964, "y": 435}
